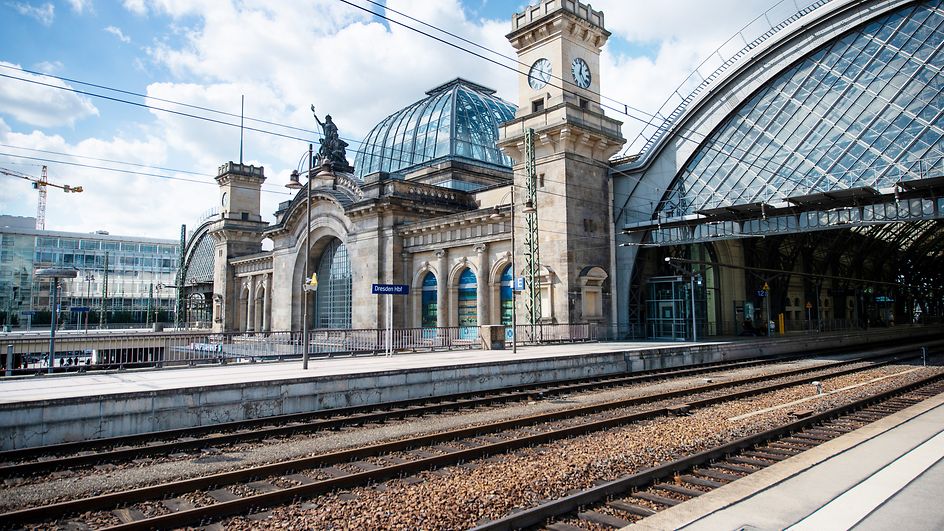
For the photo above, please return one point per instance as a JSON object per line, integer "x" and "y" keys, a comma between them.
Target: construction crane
{"x": 40, "y": 185}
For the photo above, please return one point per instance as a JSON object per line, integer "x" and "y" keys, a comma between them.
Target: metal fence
{"x": 78, "y": 351}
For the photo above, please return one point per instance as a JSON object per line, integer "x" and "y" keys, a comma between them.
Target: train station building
{"x": 797, "y": 182}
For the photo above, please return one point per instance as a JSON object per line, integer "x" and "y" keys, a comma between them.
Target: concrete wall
{"x": 37, "y": 423}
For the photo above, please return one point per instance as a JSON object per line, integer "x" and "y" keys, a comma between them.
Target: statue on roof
{"x": 332, "y": 148}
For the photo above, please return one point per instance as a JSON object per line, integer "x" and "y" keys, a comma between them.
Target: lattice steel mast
{"x": 532, "y": 256}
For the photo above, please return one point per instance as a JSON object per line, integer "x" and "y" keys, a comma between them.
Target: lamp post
{"x": 294, "y": 184}
{"x": 8, "y": 326}
{"x": 14, "y": 290}
{"x": 150, "y": 305}
{"x": 89, "y": 278}
{"x": 528, "y": 208}
{"x": 160, "y": 286}
{"x": 54, "y": 274}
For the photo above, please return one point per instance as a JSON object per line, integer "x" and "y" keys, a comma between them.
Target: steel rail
{"x": 229, "y": 508}
{"x": 116, "y": 448}
{"x": 537, "y": 516}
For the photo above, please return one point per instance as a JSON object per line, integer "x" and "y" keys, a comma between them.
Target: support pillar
{"x": 406, "y": 310}
{"x": 267, "y": 303}
{"x": 442, "y": 299}
{"x": 481, "y": 288}
{"x": 250, "y": 305}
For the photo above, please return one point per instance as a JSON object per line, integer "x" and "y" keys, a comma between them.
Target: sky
{"x": 147, "y": 99}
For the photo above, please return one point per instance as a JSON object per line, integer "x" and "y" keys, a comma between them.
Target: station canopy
{"x": 863, "y": 113}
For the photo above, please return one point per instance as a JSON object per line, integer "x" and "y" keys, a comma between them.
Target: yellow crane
{"x": 40, "y": 184}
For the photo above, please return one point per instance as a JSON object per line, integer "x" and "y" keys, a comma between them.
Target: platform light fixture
{"x": 54, "y": 274}
{"x": 295, "y": 184}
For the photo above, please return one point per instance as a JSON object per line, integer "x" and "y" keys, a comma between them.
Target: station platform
{"x": 886, "y": 475}
{"x": 51, "y": 409}
{"x": 66, "y": 386}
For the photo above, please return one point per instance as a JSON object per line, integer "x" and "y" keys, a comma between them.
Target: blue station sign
{"x": 519, "y": 284}
{"x": 390, "y": 289}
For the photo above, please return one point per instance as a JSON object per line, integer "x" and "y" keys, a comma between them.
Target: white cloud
{"x": 135, "y": 6}
{"x": 79, "y": 6}
{"x": 685, "y": 33}
{"x": 49, "y": 67}
{"x": 45, "y": 13}
{"x": 42, "y": 105}
{"x": 118, "y": 33}
{"x": 284, "y": 56}
{"x": 123, "y": 202}
{"x": 347, "y": 65}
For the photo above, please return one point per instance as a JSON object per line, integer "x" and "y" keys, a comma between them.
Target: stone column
{"x": 481, "y": 288}
{"x": 250, "y": 305}
{"x": 406, "y": 321}
{"x": 267, "y": 303}
{"x": 442, "y": 299}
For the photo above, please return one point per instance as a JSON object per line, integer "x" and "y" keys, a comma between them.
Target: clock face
{"x": 581, "y": 72}
{"x": 225, "y": 199}
{"x": 540, "y": 73}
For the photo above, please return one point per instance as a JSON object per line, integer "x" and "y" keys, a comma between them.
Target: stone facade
{"x": 443, "y": 217}
{"x": 573, "y": 141}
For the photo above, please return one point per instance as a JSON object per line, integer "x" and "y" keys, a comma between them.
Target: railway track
{"x": 629, "y": 499}
{"x": 211, "y": 498}
{"x": 71, "y": 456}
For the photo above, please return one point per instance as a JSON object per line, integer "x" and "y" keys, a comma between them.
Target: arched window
{"x": 333, "y": 298}
{"x": 468, "y": 302}
{"x": 507, "y": 303}
{"x": 428, "y": 303}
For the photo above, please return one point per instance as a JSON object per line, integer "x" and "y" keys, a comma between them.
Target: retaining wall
{"x": 44, "y": 422}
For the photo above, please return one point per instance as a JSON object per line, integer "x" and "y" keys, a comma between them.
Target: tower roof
{"x": 456, "y": 120}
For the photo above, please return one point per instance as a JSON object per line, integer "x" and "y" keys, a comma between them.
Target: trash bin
{"x": 493, "y": 337}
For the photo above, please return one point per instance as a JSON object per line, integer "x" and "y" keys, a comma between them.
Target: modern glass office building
{"x": 129, "y": 290}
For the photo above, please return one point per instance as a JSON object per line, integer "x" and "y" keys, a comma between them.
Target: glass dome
{"x": 457, "y": 120}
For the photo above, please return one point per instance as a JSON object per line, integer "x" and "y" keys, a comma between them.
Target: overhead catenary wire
{"x": 97, "y": 159}
{"x": 276, "y": 189}
{"x": 263, "y": 131}
{"x": 623, "y": 111}
{"x": 132, "y": 172}
{"x": 712, "y": 146}
{"x": 156, "y": 98}
{"x": 500, "y": 54}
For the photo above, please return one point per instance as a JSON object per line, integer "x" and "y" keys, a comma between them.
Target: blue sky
{"x": 283, "y": 56}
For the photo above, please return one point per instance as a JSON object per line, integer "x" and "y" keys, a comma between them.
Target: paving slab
{"x": 886, "y": 475}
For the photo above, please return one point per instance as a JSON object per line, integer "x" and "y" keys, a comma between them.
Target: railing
{"x": 555, "y": 333}
{"x": 78, "y": 351}
{"x": 110, "y": 349}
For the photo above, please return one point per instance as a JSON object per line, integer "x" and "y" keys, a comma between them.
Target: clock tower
{"x": 561, "y": 124}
